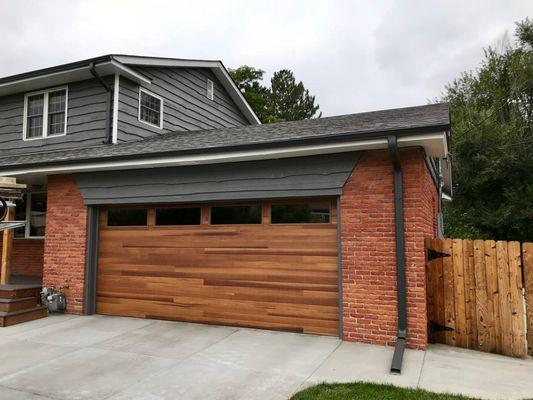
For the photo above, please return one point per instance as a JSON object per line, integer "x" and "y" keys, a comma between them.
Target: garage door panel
{"x": 266, "y": 276}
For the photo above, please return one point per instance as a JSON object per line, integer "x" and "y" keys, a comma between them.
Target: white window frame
{"x": 210, "y": 89}
{"x": 160, "y": 126}
{"x": 45, "y": 114}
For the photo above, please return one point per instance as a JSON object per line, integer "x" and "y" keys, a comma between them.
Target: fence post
{"x": 527, "y": 258}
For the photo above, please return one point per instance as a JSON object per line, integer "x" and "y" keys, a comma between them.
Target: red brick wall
{"x": 368, "y": 248}
{"x": 27, "y": 257}
{"x": 65, "y": 239}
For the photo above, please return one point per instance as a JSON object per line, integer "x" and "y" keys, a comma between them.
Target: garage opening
{"x": 267, "y": 264}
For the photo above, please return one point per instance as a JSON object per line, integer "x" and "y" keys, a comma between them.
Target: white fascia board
{"x": 165, "y": 62}
{"x": 247, "y": 155}
{"x": 236, "y": 95}
{"x": 72, "y": 75}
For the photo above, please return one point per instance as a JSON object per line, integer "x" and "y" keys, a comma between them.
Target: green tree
{"x": 248, "y": 80}
{"x": 290, "y": 101}
{"x": 285, "y": 100}
{"x": 492, "y": 149}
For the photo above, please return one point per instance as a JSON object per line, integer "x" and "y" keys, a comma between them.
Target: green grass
{"x": 368, "y": 391}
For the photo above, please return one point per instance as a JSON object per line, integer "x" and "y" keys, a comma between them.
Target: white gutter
{"x": 432, "y": 143}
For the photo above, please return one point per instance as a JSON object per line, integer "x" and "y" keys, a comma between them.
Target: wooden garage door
{"x": 267, "y": 275}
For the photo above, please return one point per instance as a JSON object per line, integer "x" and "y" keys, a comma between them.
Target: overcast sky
{"x": 353, "y": 55}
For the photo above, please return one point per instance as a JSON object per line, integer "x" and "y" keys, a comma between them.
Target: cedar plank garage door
{"x": 273, "y": 276}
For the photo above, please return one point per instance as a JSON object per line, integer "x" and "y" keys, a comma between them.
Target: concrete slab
{"x": 86, "y": 374}
{"x": 168, "y": 339}
{"x": 352, "y": 362}
{"x": 16, "y": 355}
{"x": 52, "y": 319}
{"x": 84, "y": 331}
{"x": 205, "y": 380}
{"x": 477, "y": 374}
{"x": 10, "y": 394}
{"x": 271, "y": 351}
{"x": 100, "y": 357}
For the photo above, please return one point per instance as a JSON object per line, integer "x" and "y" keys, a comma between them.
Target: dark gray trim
{"x": 57, "y": 68}
{"x": 91, "y": 263}
{"x": 312, "y": 176}
{"x": 339, "y": 266}
{"x": 396, "y": 365}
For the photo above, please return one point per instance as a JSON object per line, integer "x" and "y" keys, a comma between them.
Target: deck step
{"x": 19, "y": 291}
{"x": 14, "y": 304}
{"x": 17, "y": 317}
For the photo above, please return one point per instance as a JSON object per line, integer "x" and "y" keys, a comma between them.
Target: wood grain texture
{"x": 483, "y": 312}
{"x": 449, "y": 291}
{"x": 483, "y": 291}
{"x": 517, "y": 305}
{"x": 527, "y": 257}
{"x": 280, "y": 277}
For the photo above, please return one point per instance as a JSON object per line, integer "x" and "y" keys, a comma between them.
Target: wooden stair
{"x": 19, "y": 303}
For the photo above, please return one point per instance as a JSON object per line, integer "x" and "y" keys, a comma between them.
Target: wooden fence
{"x": 480, "y": 295}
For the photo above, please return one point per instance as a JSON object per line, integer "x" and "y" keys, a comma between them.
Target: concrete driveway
{"x": 98, "y": 357}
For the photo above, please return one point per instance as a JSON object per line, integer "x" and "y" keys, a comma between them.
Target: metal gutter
{"x": 54, "y": 69}
{"x": 397, "y": 359}
{"x": 304, "y": 141}
{"x": 109, "y": 115}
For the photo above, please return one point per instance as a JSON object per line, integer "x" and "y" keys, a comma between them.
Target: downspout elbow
{"x": 109, "y": 116}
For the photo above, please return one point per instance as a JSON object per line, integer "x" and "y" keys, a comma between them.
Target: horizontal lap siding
{"x": 263, "y": 276}
{"x": 322, "y": 175}
{"x": 85, "y": 124}
{"x": 186, "y": 106}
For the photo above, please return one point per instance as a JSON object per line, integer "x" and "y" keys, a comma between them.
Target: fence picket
{"x": 449, "y": 291}
{"x": 517, "y": 306}
{"x": 483, "y": 314}
{"x": 459, "y": 293}
{"x": 493, "y": 297}
{"x": 476, "y": 289}
{"x": 470, "y": 294}
{"x": 527, "y": 258}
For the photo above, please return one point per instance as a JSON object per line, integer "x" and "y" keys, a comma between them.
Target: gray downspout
{"x": 396, "y": 365}
{"x": 109, "y": 114}
{"x": 91, "y": 261}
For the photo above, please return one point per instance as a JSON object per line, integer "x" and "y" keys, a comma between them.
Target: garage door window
{"x": 236, "y": 215}
{"x": 137, "y": 217}
{"x": 300, "y": 213}
{"x": 178, "y": 216}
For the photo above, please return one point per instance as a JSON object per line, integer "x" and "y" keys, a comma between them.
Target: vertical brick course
{"x": 368, "y": 248}
{"x": 65, "y": 239}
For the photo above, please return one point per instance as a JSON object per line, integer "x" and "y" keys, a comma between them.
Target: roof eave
{"x": 433, "y": 143}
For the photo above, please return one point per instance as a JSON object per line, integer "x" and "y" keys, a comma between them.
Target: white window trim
{"x": 210, "y": 89}
{"x": 45, "y": 113}
{"x": 160, "y": 126}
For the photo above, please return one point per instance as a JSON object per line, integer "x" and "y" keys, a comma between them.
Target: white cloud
{"x": 353, "y": 55}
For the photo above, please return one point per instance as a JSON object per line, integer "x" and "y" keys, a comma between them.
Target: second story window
{"x": 150, "y": 108}
{"x": 45, "y": 114}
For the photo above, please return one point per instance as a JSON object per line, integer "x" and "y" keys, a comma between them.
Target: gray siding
{"x": 86, "y": 116}
{"x": 323, "y": 175}
{"x": 185, "y": 104}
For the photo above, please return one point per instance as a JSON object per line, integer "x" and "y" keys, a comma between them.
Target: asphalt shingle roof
{"x": 351, "y": 126}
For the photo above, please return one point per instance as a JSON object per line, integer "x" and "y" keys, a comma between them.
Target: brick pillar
{"x": 65, "y": 239}
{"x": 368, "y": 248}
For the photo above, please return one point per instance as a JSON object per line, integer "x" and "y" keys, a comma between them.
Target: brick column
{"x": 368, "y": 248}
{"x": 65, "y": 239}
